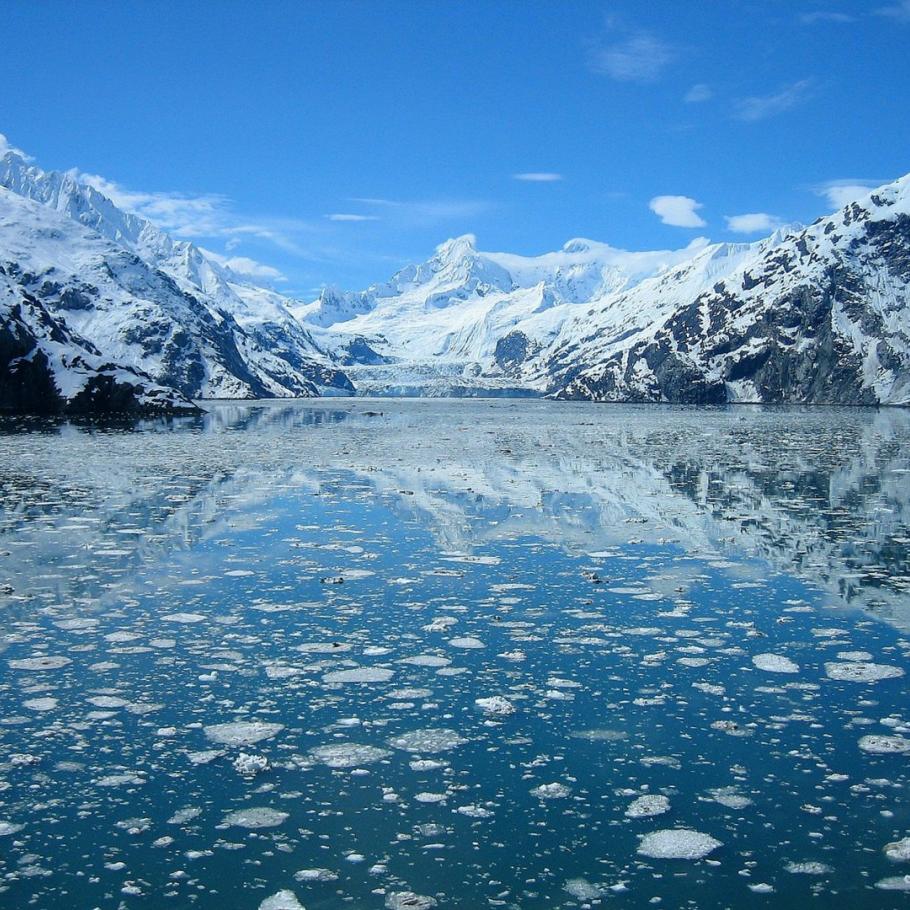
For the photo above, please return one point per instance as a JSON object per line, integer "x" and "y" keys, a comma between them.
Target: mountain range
{"x": 100, "y": 310}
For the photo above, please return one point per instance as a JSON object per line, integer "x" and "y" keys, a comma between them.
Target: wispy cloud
{"x": 209, "y": 215}
{"x": 698, "y": 93}
{"x": 631, "y": 54}
{"x": 678, "y": 211}
{"x": 428, "y": 212}
{"x": 350, "y": 216}
{"x": 752, "y": 223}
{"x": 899, "y": 11}
{"x": 6, "y": 146}
{"x": 538, "y": 177}
{"x": 841, "y": 192}
{"x": 246, "y": 267}
{"x": 760, "y": 107}
{"x": 825, "y": 16}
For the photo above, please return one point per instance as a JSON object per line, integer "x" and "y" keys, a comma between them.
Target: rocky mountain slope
{"x": 815, "y": 315}
{"x": 821, "y": 316}
{"x": 148, "y": 303}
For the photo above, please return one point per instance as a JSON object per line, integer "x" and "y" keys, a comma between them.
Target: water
{"x": 606, "y": 580}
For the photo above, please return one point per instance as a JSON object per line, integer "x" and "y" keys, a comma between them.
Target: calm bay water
{"x": 381, "y": 654}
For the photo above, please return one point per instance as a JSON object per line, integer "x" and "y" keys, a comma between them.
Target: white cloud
{"x": 842, "y": 192}
{"x": 899, "y": 11}
{"x": 426, "y": 212}
{"x": 538, "y": 176}
{"x": 207, "y": 215}
{"x": 752, "y": 223}
{"x": 639, "y": 56}
{"x": 6, "y": 147}
{"x": 698, "y": 93}
{"x": 343, "y": 216}
{"x": 760, "y": 107}
{"x": 246, "y": 267}
{"x": 678, "y": 211}
{"x": 825, "y": 16}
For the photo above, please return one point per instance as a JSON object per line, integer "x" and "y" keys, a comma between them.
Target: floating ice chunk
{"x": 426, "y": 660}
{"x": 677, "y": 843}
{"x": 898, "y": 851}
{"x": 359, "y": 675}
{"x": 316, "y": 875}
{"x": 40, "y": 704}
{"x": 121, "y": 780}
{"x": 581, "y": 889}
{"x": 431, "y": 797}
{"x": 408, "y": 900}
{"x": 648, "y": 805}
{"x": 324, "y": 647}
{"x": 250, "y": 765}
{"x": 186, "y": 618}
{"x": 282, "y": 900}
{"x": 8, "y": 828}
{"x": 242, "y": 733}
{"x": 348, "y": 755}
{"x": 762, "y": 888}
{"x": 473, "y": 811}
{"x": 775, "y": 663}
{"x": 551, "y": 791}
{"x": 44, "y": 662}
{"x": 468, "y": 642}
{"x": 810, "y": 868}
{"x": 429, "y": 741}
{"x": 894, "y": 883}
{"x": 495, "y": 704}
{"x": 879, "y": 744}
{"x": 207, "y": 756}
{"x": 258, "y": 817}
{"x": 182, "y": 816}
{"x": 729, "y": 797}
{"x": 861, "y": 671}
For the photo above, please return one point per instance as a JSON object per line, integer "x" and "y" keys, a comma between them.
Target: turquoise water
{"x": 608, "y": 582}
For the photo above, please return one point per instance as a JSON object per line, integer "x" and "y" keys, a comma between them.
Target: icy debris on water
{"x": 44, "y": 662}
{"x": 648, "y": 805}
{"x": 316, "y": 875}
{"x": 250, "y": 765}
{"x": 775, "y": 663}
{"x": 495, "y": 704}
{"x": 348, "y": 755}
{"x": 894, "y": 883}
{"x": 677, "y": 843}
{"x": 282, "y": 900}
{"x": 581, "y": 889}
{"x": 551, "y": 791}
{"x": 428, "y": 741}
{"x": 808, "y": 868}
{"x": 880, "y": 744}
{"x": 257, "y": 817}
{"x": 898, "y": 851}
{"x": 8, "y": 828}
{"x": 359, "y": 675}
{"x": 242, "y": 733}
{"x": 408, "y": 900}
{"x": 861, "y": 671}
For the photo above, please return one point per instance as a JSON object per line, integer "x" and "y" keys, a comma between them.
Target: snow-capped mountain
{"x": 817, "y": 315}
{"x": 472, "y": 322}
{"x": 821, "y": 315}
{"x": 148, "y": 302}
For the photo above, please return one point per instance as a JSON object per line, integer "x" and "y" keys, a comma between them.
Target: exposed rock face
{"x": 148, "y": 302}
{"x": 821, "y": 318}
{"x": 46, "y": 369}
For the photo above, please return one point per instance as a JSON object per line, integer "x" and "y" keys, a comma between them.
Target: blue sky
{"x": 332, "y": 142}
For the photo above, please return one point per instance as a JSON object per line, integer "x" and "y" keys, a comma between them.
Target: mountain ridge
{"x": 817, "y": 314}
